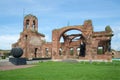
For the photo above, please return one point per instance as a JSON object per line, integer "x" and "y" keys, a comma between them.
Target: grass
{"x": 65, "y": 71}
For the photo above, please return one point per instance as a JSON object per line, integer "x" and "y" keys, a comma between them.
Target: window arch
{"x": 33, "y": 25}
{"x": 26, "y": 37}
{"x": 78, "y": 51}
{"x": 71, "y": 51}
{"x": 46, "y": 51}
{"x": 27, "y": 23}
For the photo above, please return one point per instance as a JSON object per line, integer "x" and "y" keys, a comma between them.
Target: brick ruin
{"x": 85, "y": 46}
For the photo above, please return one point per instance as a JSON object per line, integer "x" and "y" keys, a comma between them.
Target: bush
{"x": 108, "y": 29}
{"x": 3, "y": 57}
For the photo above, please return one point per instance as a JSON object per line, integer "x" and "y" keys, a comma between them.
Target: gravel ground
{"x": 11, "y": 67}
{"x": 6, "y": 65}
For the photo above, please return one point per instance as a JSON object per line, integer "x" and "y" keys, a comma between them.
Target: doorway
{"x": 35, "y": 52}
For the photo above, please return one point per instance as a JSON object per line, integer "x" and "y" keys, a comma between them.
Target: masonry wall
{"x": 34, "y": 45}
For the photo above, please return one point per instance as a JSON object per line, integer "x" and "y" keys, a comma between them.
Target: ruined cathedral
{"x": 86, "y": 45}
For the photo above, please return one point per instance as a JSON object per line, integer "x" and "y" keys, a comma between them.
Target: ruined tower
{"x": 30, "y": 23}
{"x": 30, "y": 39}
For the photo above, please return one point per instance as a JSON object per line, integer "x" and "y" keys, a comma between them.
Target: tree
{"x": 108, "y": 29}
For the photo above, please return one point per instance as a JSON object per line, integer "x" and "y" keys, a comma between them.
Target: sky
{"x": 54, "y": 14}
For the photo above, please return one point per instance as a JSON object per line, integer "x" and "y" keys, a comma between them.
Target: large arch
{"x": 57, "y": 33}
{"x": 65, "y": 29}
{"x": 71, "y": 40}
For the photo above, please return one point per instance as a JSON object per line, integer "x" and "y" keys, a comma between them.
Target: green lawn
{"x": 65, "y": 71}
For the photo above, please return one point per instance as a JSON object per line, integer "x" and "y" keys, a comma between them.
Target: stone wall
{"x": 86, "y": 47}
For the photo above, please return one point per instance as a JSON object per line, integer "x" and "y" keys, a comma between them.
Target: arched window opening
{"x": 109, "y": 45}
{"x": 100, "y": 50}
{"x": 35, "y": 52}
{"x": 113, "y": 54}
{"x": 26, "y": 37}
{"x": 33, "y": 26}
{"x": 71, "y": 51}
{"x": 78, "y": 51}
{"x": 27, "y": 24}
{"x": 82, "y": 49}
{"x": 46, "y": 51}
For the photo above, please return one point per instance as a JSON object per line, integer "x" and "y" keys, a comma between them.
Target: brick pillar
{"x": 43, "y": 52}
{"x": 91, "y": 49}
{"x": 50, "y": 51}
{"x": 94, "y": 48}
{"x": 55, "y": 44}
{"x": 75, "y": 51}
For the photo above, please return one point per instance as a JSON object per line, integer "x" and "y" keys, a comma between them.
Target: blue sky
{"x": 56, "y": 14}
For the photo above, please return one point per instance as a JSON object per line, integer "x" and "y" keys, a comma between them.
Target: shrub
{"x": 3, "y": 57}
{"x": 108, "y": 29}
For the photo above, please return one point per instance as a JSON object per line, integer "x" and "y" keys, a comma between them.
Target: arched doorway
{"x": 82, "y": 49}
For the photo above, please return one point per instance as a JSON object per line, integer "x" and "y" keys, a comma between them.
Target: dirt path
{"x": 11, "y": 67}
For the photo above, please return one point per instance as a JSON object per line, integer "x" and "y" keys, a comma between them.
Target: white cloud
{"x": 7, "y": 40}
{"x": 56, "y": 13}
{"x": 48, "y": 38}
{"x": 116, "y": 38}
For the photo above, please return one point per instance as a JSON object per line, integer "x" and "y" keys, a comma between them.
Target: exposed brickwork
{"x": 92, "y": 40}
{"x": 30, "y": 40}
{"x": 34, "y": 45}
